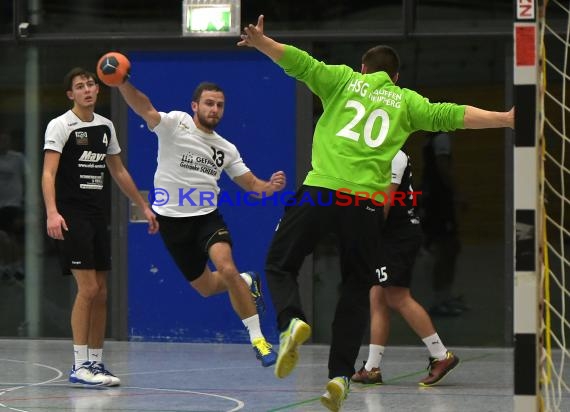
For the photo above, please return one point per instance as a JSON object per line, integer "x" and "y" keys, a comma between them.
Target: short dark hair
{"x": 76, "y": 71}
{"x": 205, "y": 86}
{"x": 382, "y": 59}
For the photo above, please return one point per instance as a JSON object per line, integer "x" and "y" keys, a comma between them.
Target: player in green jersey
{"x": 366, "y": 120}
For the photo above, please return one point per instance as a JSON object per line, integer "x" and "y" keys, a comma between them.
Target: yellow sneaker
{"x": 289, "y": 341}
{"x": 337, "y": 391}
{"x": 264, "y": 352}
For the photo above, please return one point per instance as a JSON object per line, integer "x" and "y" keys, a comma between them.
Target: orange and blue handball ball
{"x": 113, "y": 68}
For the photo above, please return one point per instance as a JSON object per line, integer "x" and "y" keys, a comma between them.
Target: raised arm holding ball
{"x": 191, "y": 155}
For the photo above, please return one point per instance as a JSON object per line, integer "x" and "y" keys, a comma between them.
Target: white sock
{"x": 253, "y": 327}
{"x": 375, "y": 353}
{"x": 80, "y": 353}
{"x": 247, "y": 278}
{"x": 435, "y": 346}
{"x": 96, "y": 355}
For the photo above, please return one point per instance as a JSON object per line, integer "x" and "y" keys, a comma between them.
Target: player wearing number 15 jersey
{"x": 400, "y": 242}
{"x": 366, "y": 119}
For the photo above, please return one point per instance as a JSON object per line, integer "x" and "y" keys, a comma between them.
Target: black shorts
{"x": 86, "y": 245}
{"x": 399, "y": 247}
{"x": 314, "y": 213}
{"x": 188, "y": 240}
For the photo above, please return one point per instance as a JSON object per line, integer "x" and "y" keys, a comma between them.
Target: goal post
{"x": 526, "y": 190}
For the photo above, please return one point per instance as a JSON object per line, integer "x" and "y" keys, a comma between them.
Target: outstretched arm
{"x": 251, "y": 183}
{"x": 253, "y": 37}
{"x": 140, "y": 104}
{"x": 476, "y": 118}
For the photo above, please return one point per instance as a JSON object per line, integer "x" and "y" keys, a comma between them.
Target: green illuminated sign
{"x": 210, "y": 18}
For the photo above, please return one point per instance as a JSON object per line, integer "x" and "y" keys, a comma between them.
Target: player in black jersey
{"x": 400, "y": 242}
{"x": 80, "y": 146}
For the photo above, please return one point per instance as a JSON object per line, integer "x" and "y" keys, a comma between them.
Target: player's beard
{"x": 208, "y": 122}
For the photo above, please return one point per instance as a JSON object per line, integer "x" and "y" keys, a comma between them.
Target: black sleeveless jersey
{"x": 81, "y": 173}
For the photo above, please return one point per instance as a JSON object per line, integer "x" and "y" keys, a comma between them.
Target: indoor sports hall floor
{"x": 168, "y": 377}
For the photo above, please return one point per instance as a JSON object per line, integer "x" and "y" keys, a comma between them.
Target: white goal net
{"x": 554, "y": 109}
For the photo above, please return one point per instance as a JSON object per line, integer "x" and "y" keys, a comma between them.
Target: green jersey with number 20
{"x": 366, "y": 119}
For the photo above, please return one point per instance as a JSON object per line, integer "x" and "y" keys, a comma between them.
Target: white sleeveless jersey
{"x": 190, "y": 163}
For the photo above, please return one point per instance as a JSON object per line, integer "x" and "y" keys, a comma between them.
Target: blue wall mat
{"x": 259, "y": 119}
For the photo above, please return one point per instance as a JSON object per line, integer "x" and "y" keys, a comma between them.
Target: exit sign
{"x": 210, "y": 18}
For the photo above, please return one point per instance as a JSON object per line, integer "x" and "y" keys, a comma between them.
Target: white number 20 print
{"x": 371, "y": 141}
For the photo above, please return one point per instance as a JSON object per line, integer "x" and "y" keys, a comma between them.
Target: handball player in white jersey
{"x": 191, "y": 158}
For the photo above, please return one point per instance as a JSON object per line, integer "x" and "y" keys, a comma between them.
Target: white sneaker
{"x": 86, "y": 374}
{"x": 114, "y": 381}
